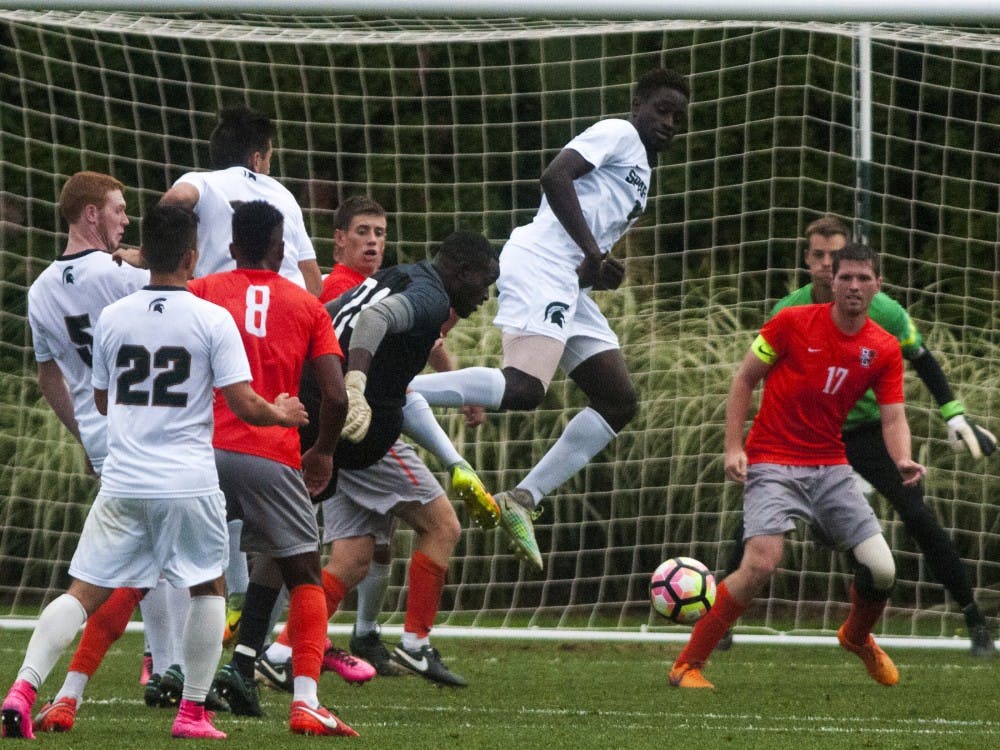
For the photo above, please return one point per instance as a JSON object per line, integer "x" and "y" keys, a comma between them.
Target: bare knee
{"x": 522, "y": 392}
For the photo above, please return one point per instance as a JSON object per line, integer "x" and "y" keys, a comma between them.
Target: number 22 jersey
{"x": 158, "y": 353}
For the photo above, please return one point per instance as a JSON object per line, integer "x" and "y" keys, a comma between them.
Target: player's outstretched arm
{"x": 246, "y": 404}
{"x": 963, "y": 433}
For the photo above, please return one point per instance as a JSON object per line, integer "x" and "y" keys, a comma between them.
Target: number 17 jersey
{"x": 818, "y": 374}
{"x": 159, "y": 352}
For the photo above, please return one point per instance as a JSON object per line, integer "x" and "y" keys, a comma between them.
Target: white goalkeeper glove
{"x": 964, "y": 434}
{"x": 359, "y": 413}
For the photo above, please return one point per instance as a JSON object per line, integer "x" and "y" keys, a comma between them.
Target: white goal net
{"x": 449, "y": 123}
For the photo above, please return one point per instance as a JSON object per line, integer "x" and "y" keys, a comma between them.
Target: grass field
{"x": 588, "y": 695}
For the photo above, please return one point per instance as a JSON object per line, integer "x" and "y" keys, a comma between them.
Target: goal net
{"x": 448, "y": 123}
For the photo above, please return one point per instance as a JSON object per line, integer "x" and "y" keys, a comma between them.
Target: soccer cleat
{"x": 147, "y": 669}
{"x": 239, "y": 692}
{"x": 194, "y": 723}
{"x": 426, "y": 662}
{"x": 15, "y": 715}
{"x": 479, "y": 504}
{"x": 982, "y": 641}
{"x": 277, "y": 676}
{"x": 171, "y": 687}
{"x": 151, "y": 693}
{"x": 726, "y": 641}
{"x": 57, "y": 716}
{"x": 352, "y": 669}
{"x": 370, "y": 648}
{"x": 876, "y": 661}
{"x": 686, "y": 675}
{"x": 317, "y": 721}
{"x": 231, "y": 634}
{"x": 515, "y": 520}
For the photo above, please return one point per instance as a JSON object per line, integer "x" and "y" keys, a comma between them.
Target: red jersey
{"x": 819, "y": 373}
{"x": 339, "y": 280}
{"x": 282, "y": 327}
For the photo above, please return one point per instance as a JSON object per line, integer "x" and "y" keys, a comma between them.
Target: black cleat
{"x": 239, "y": 692}
{"x": 426, "y": 662}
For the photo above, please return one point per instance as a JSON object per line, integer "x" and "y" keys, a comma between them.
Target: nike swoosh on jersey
{"x": 813, "y": 351}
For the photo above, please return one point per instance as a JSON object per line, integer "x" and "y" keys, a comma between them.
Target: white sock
{"x": 155, "y": 611}
{"x": 371, "y": 592}
{"x": 411, "y": 642}
{"x": 278, "y": 653}
{"x": 478, "y": 386}
{"x": 304, "y": 689}
{"x": 584, "y": 437}
{"x": 206, "y": 622}
{"x": 178, "y": 605}
{"x": 420, "y": 424}
{"x": 73, "y": 687}
{"x": 57, "y": 626}
{"x": 237, "y": 573}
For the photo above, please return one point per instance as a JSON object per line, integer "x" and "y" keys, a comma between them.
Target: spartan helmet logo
{"x": 67, "y": 275}
{"x": 157, "y": 304}
{"x": 555, "y": 313}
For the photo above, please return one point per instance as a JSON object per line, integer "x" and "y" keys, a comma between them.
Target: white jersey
{"x": 218, "y": 191}
{"x": 612, "y": 195}
{"x": 158, "y": 353}
{"x": 64, "y": 304}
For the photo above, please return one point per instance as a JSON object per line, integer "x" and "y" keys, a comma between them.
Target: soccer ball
{"x": 682, "y": 589}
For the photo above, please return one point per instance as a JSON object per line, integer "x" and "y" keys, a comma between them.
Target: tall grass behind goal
{"x": 449, "y": 123}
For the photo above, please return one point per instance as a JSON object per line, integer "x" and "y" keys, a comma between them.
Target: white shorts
{"x": 131, "y": 541}
{"x": 542, "y": 296}
{"x": 365, "y": 498}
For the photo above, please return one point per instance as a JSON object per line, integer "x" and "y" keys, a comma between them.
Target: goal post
{"x": 448, "y": 122}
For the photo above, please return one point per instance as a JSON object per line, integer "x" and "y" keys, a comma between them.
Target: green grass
{"x": 590, "y": 695}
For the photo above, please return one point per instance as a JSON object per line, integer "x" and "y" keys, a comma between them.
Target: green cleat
{"x": 467, "y": 487}
{"x": 515, "y": 520}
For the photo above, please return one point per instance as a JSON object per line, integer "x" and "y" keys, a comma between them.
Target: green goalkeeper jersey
{"x": 889, "y": 314}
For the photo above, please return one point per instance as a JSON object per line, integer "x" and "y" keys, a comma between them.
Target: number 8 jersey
{"x": 159, "y": 352}
{"x": 818, "y": 374}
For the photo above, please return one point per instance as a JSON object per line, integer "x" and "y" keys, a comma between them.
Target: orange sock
{"x": 862, "y": 617}
{"x": 334, "y": 591}
{"x": 708, "y": 631}
{"x": 103, "y": 628}
{"x": 307, "y": 629}
{"x": 426, "y": 584}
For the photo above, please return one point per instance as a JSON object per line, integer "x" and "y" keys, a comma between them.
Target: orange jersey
{"x": 819, "y": 373}
{"x": 340, "y": 279}
{"x": 282, "y": 326}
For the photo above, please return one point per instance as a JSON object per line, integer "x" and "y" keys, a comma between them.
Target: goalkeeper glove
{"x": 359, "y": 413}
{"x": 964, "y": 434}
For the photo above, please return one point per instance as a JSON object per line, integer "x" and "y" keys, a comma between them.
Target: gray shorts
{"x": 365, "y": 498}
{"x": 278, "y": 515}
{"x": 825, "y": 497}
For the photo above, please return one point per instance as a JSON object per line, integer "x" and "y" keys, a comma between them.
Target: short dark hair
{"x": 859, "y": 252}
{"x": 827, "y": 226}
{"x": 253, "y": 224}
{"x": 658, "y": 78}
{"x": 168, "y": 231}
{"x": 239, "y": 132}
{"x": 355, "y": 205}
{"x": 465, "y": 250}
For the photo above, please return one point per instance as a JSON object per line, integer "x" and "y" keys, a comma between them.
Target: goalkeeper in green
{"x": 862, "y": 433}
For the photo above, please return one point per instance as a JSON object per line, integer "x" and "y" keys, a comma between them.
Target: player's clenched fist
{"x": 359, "y": 413}
{"x": 291, "y": 411}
